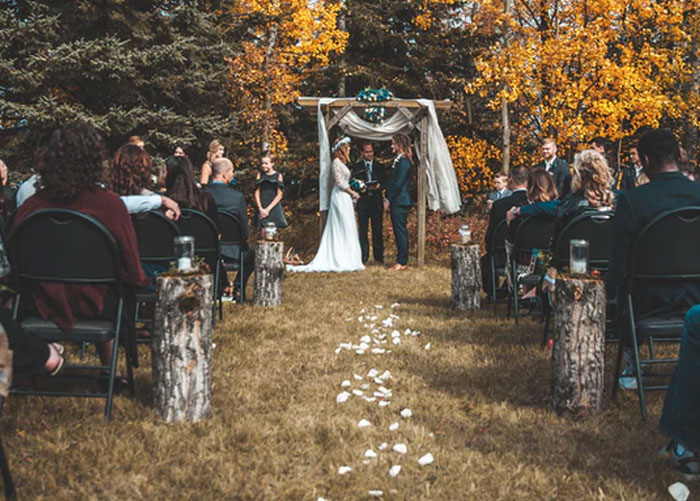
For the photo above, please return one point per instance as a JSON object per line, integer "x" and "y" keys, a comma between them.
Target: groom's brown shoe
{"x": 398, "y": 267}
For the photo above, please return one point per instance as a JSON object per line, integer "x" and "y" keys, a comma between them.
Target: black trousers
{"x": 29, "y": 353}
{"x": 371, "y": 209}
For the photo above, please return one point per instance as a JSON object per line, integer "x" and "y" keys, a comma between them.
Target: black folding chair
{"x": 206, "y": 244}
{"x": 596, "y": 228}
{"x": 532, "y": 233}
{"x": 666, "y": 250}
{"x": 498, "y": 258}
{"x": 233, "y": 248}
{"x": 82, "y": 251}
{"x": 8, "y": 484}
{"x": 155, "y": 234}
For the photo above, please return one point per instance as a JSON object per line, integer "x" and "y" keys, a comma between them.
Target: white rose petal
{"x": 395, "y": 305}
{"x": 396, "y": 340}
{"x": 400, "y": 448}
{"x": 378, "y": 381}
{"x": 357, "y": 392}
{"x": 376, "y": 494}
{"x": 344, "y": 469}
{"x": 337, "y": 350}
{"x": 679, "y": 491}
{"x": 342, "y": 397}
{"x": 357, "y": 378}
{"x": 365, "y": 386}
{"x": 365, "y": 339}
{"x": 346, "y": 383}
{"x": 427, "y": 346}
{"x": 360, "y": 352}
{"x": 383, "y": 389}
{"x": 386, "y": 375}
{"x": 369, "y": 453}
{"x": 395, "y": 334}
{"x": 363, "y": 423}
{"x": 406, "y": 413}
{"x": 394, "y": 427}
{"x": 369, "y": 399}
{"x": 383, "y": 446}
{"x": 372, "y": 373}
{"x": 364, "y": 346}
{"x": 360, "y": 319}
{"x": 383, "y": 403}
{"x": 378, "y": 351}
{"x": 378, "y": 306}
{"x": 388, "y": 322}
{"x": 426, "y": 460}
{"x": 378, "y": 394}
{"x": 395, "y": 470}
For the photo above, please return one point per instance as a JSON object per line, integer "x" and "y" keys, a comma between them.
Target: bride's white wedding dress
{"x": 339, "y": 249}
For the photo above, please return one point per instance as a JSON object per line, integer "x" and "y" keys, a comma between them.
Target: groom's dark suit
{"x": 370, "y": 208}
{"x": 400, "y": 203}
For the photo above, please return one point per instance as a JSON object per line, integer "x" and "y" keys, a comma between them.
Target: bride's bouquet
{"x": 357, "y": 185}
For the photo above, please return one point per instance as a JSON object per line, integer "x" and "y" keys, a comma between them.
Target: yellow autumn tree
{"x": 574, "y": 70}
{"x": 474, "y": 161}
{"x": 284, "y": 43}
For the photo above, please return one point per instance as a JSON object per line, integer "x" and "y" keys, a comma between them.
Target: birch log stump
{"x": 269, "y": 270}
{"x": 181, "y": 347}
{"x": 578, "y": 352}
{"x": 466, "y": 277}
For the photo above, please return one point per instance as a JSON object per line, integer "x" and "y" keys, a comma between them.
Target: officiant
{"x": 369, "y": 206}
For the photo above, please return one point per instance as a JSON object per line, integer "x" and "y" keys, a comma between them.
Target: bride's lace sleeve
{"x": 341, "y": 175}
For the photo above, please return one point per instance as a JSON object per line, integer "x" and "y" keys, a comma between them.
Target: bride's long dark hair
{"x": 403, "y": 144}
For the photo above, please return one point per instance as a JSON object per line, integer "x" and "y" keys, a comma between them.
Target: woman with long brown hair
{"x": 132, "y": 171}
{"x": 339, "y": 249}
{"x": 398, "y": 201}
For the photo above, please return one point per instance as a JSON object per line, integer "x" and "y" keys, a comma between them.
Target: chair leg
{"x": 113, "y": 368}
{"x": 8, "y": 484}
{"x": 516, "y": 311}
{"x": 547, "y": 318}
{"x": 494, "y": 296}
{"x": 240, "y": 274}
{"x": 638, "y": 368}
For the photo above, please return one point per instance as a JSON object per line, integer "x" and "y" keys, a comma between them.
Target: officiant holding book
{"x": 370, "y": 205}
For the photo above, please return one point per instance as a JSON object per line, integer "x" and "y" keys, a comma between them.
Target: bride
{"x": 339, "y": 249}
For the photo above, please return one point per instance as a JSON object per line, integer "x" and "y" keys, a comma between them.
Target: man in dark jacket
{"x": 517, "y": 183}
{"x": 557, "y": 167}
{"x": 369, "y": 206}
{"x": 667, "y": 189}
{"x": 229, "y": 200}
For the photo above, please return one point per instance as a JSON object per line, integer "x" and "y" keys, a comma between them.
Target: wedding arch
{"x": 436, "y": 179}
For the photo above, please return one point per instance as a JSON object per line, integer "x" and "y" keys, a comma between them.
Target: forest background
{"x": 186, "y": 72}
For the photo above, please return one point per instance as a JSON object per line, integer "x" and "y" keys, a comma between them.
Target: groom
{"x": 369, "y": 206}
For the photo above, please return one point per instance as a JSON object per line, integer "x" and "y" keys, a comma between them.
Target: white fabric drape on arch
{"x": 443, "y": 190}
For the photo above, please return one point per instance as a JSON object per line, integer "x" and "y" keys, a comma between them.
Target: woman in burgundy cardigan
{"x": 71, "y": 170}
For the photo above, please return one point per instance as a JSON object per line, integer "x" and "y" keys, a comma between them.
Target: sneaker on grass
{"x": 684, "y": 460}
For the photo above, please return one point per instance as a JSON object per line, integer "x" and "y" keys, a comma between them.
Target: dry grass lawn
{"x": 479, "y": 400}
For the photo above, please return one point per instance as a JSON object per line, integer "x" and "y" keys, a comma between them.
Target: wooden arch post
{"x": 333, "y": 114}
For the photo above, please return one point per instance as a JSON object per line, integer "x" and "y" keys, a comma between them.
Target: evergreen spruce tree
{"x": 130, "y": 67}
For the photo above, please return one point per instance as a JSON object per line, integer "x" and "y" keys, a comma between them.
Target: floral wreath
{"x": 375, "y": 114}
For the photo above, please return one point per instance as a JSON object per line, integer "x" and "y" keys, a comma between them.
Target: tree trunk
{"x": 181, "y": 347}
{"x": 578, "y": 354}
{"x": 269, "y": 270}
{"x": 341, "y": 56}
{"x": 466, "y": 277}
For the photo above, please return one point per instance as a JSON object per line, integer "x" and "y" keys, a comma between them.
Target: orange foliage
{"x": 575, "y": 70}
{"x": 474, "y": 161}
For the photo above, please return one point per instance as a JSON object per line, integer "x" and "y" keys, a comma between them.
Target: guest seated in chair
{"x": 681, "y": 415}
{"x": 231, "y": 201}
{"x": 590, "y": 191}
{"x": 667, "y": 189}
{"x": 181, "y": 187}
{"x": 517, "y": 183}
{"x": 70, "y": 168}
{"x": 540, "y": 190}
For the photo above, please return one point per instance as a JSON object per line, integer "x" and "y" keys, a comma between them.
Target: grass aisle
{"x": 478, "y": 398}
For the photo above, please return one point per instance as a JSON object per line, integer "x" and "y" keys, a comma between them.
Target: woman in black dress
{"x": 269, "y": 190}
